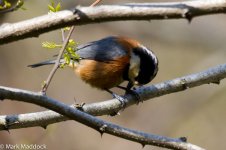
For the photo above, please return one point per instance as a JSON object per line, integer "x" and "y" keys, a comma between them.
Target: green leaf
{"x": 69, "y": 50}
{"x": 52, "y": 2}
{"x": 23, "y": 8}
{"x": 67, "y": 59}
{"x": 51, "y": 8}
{"x": 7, "y": 4}
{"x": 71, "y": 42}
{"x": 50, "y": 45}
{"x": 75, "y": 56}
{"x": 67, "y": 28}
{"x": 20, "y": 3}
{"x": 58, "y": 7}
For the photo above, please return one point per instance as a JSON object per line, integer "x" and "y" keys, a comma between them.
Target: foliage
{"x": 54, "y": 7}
{"x": 70, "y": 51}
{"x": 11, "y": 4}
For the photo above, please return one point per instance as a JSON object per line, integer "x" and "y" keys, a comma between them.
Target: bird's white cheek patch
{"x": 134, "y": 67}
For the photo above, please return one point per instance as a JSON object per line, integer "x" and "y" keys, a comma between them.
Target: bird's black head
{"x": 148, "y": 64}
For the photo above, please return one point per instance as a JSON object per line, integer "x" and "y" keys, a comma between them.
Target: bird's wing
{"x": 106, "y": 49}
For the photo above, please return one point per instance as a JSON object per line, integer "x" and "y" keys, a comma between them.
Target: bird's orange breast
{"x": 102, "y": 75}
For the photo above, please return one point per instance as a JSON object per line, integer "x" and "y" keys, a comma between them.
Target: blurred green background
{"x": 182, "y": 48}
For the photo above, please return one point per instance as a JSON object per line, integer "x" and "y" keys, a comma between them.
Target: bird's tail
{"x": 48, "y": 62}
{"x": 72, "y": 63}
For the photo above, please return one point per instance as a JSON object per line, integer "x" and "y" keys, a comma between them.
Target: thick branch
{"x": 212, "y": 75}
{"x": 88, "y": 120}
{"x": 87, "y": 15}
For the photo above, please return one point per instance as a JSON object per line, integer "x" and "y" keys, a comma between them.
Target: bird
{"x": 106, "y": 63}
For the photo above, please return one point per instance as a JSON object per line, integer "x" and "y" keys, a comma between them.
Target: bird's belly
{"x": 102, "y": 75}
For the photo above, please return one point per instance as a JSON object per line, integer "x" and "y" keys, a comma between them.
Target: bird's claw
{"x": 121, "y": 100}
{"x": 134, "y": 93}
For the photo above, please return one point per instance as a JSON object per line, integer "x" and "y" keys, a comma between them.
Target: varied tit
{"x": 108, "y": 62}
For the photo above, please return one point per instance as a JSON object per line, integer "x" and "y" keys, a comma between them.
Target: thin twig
{"x": 95, "y": 3}
{"x": 62, "y": 35}
{"x": 103, "y": 13}
{"x": 57, "y": 63}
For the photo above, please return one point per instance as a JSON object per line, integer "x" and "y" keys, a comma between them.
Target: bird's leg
{"x": 127, "y": 88}
{"x": 129, "y": 91}
{"x": 118, "y": 97}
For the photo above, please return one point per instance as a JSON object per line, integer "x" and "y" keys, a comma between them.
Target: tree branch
{"x": 104, "y": 13}
{"x": 212, "y": 75}
{"x": 88, "y": 120}
{"x": 85, "y": 15}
